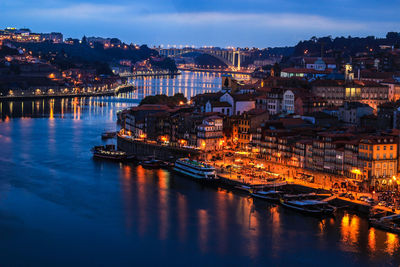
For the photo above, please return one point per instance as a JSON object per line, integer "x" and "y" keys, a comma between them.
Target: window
{"x": 384, "y": 147}
{"x": 378, "y": 147}
{"x": 377, "y": 157}
{"x": 391, "y": 147}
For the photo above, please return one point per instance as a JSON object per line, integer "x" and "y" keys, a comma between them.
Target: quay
{"x": 110, "y": 92}
{"x": 216, "y": 71}
{"x": 149, "y": 74}
{"x": 143, "y": 149}
{"x": 230, "y": 180}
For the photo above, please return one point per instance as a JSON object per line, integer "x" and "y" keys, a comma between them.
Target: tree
{"x": 84, "y": 40}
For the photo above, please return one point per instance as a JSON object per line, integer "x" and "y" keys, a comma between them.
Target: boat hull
{"x": 194, "y": 177}
{"x": 267, "y": 198}
{"x": 110, "y": 158}
{"x": 321, "y": 212}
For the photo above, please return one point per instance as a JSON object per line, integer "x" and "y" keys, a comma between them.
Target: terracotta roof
{"x": 311, "y": 60}
{"x": 306, "y": 71}
{"x": 330, "y": 83}
{"x": 218, "y": 104}
{"x": 150, "y": 107}
{"x": 375, "y": 75}
{"x": 243, "y": 97}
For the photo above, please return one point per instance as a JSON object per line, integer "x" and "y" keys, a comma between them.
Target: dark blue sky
{"x": 259, "y": 23}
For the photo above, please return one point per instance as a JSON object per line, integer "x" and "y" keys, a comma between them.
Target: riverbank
{"x": 150, "y": 74}
{"x": 111, "y": 92}
{"x": 215, "y": 71}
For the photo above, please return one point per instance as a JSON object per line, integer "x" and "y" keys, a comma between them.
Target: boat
{"x": 249, "y": 188}
{"x": 389, "y": 223}
{"x": 389, "y": 226}
{"x": 271, "y": 195}
{"x": 151, "y": 164}
{"x": 108, "y": 135}
{"x": 195, "y": 169}
{"x": 309, "y": 206}
{"x": 245, "y": 188}
{"x": 109, "y": 152}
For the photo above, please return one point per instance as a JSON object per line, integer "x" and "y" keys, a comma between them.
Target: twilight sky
{"x": 260, "y": 23}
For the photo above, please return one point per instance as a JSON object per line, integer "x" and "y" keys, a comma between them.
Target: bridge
{"x": 230, "y": 57}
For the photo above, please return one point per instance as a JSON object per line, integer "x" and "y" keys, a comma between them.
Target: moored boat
{"x": 271, "y": 195}
{"x": 309, "y": 206}
{"x": 389, "y": 226}
{"x": 151, "y": 164}
{"x": 109, "y": 152}
{"x": 195, "y": 169}
{"x": 108, "y": 135}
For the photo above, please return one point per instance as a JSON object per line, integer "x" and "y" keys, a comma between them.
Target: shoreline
{"x": 113, "y": 92}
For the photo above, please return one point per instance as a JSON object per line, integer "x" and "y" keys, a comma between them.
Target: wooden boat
{"x": 249, "y": 188}
{"x": 390, "y": 223}
{"x": 389, "y": 226}
{"x": 109, "y": 152}
{"x": 108, "y": 135}
{"x": 309, "y": 206}
{"x": 151, "y": 164}
{"x": 272, "y": 195}
{"x": 245, "y": 188}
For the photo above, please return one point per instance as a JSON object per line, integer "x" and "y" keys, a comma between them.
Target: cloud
{"x": 255, "y": 20}
{"x": 155, "y": 21}
{"x": 83, "y": 11}
{"x": 142, "y": 13}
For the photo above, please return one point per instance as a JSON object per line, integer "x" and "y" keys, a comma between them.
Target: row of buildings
{"x": 368, "y": 159}
{"x": 25, "y": 35}
{"x": 334, "y": 126}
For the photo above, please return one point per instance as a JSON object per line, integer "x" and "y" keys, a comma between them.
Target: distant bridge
{"x": 230, "y": 57}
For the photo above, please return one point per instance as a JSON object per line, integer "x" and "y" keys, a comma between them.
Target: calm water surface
{"x": 60, "y": 207}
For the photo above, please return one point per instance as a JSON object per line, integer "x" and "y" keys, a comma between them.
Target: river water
{"x": 58, "y": 206}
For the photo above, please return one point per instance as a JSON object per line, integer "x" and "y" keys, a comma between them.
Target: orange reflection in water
{"x": 77, "y": 109}
{"x": 253, "y": 230}
{"x": 51, "y": 116}
{"x": 163, "y": 208}
{"x": 182, "y": 217}
{"x": 350, "y": 229}
{"x": 392, "y": 243}
{"x": 142, "y": 203}
{"x": 276, "y": 229}
{"x": 127, "y": 196}
{"x": 372, "y": 240}
{"x": 222, "y": 218}
{"x": 203, "y": 229}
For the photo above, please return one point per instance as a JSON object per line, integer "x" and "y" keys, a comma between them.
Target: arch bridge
{"x": 232, "y": 58}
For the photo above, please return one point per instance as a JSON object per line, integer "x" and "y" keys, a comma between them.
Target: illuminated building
{"x": 378, "y": 157}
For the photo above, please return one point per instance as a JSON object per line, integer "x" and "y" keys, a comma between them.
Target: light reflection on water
{"x": 55, "y": 198}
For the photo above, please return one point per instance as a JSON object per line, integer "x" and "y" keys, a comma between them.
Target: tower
{"x": 349, "y": 74}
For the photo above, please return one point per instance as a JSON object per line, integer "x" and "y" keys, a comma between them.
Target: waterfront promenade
{"x": 110, "y": 92}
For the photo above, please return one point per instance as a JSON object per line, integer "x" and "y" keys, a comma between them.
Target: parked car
{"x": 382, "y": 203}
{"x": 362, "y": 198}
{"x": 370, "y": 200}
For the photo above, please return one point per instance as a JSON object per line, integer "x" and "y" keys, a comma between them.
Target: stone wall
{"x": 142, "y": 149}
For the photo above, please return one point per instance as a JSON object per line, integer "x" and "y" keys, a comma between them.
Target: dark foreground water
{"x": 60, "y": 207}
